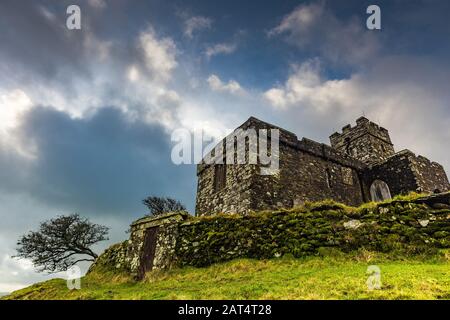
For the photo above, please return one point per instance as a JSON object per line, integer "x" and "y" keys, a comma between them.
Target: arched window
{"x": 379, "y": 191}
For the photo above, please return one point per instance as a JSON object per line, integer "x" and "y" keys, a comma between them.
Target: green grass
{"x": 331, "y": 276}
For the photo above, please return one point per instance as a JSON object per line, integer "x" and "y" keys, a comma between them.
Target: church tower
{"x": 367, "y": 142}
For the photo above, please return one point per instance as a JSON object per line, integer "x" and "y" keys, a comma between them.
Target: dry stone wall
{"x": 402, "y": 227}
{"x": 129, "y": 256}
{"x": 411, "y": 227}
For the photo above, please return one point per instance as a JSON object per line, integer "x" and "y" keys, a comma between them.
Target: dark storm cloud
{"x": 34, "y": 39}
{"x": 101, "y": 165}
{"x": 37, "y": 48}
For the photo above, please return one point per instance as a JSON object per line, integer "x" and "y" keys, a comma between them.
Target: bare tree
{"x": 160, "y": 205}
{"x": 61, "y": 243}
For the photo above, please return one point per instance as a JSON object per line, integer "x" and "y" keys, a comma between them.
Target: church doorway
{"x": 379, "y": 191}
{"x": 148, "y": 251}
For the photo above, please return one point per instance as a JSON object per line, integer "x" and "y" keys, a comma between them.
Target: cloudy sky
{"x": 86, "y": 115}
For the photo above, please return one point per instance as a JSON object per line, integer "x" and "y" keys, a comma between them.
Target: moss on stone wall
{"x": 114, "y": 259}
{"x": 407, "y": 225}
{"x": 397, "y": 226}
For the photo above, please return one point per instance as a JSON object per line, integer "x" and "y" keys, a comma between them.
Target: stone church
{"x": 359, "y": 165}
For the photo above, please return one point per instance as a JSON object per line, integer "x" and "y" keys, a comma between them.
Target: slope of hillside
{"x": 406, "y": 239}
{"x": 330, "y": 275}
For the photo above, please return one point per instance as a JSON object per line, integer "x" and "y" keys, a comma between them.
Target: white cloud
{"x": 232, "y": 86}
{"x": 165, "y": 109}
{"x": 16, "y": 274}
{"x": 140, "y": 87}
{"x": 312, "y": 27}
{"x": 413, "y": 110}
{"x": 198, "y": 116}
{"x": 159, "y": 54}
{"x": 133, "y": 73}
{"x": 194, "y": 24}
{"x": 305, "y": 87}
{"x": 12, "y": 104}
{"x": 220, "y": 48}
{"x": 300, "y": 19}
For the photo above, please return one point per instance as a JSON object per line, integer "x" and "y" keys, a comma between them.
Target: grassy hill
{"x": 329, "y": 275}
{"x": 322, "y": 273}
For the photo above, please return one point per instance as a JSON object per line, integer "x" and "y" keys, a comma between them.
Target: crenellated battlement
{"x": 363, "y": 125}
{"x": 367, "y": 141}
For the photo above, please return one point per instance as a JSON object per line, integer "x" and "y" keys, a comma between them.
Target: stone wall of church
{"x": 235, "y": 196}
{"x": 308, "y": 171}
{"x": 430, "y": 176}
{"x": 405, "y": 172}
{"x": 306, "y": 175}
{"x": 243, "y": 187}
{"x": 397, "y": 172}
{"x": 312, "y": 171}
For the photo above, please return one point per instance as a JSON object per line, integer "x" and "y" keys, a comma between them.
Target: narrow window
{"x": 347, "y": 146}
{"x": 220, "y": 173}
{"x": 328, "y": 176}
